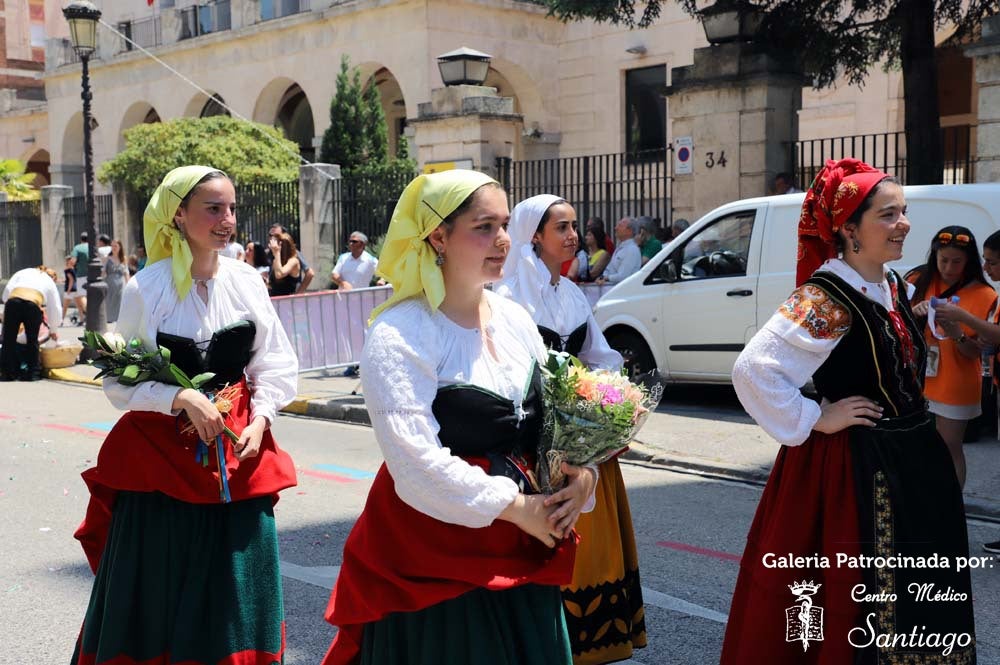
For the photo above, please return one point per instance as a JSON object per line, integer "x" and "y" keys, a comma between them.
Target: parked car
{"x": 690, "y": 310}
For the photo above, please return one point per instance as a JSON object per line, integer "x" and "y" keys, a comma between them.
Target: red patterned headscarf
{"x": 837, "y": 191}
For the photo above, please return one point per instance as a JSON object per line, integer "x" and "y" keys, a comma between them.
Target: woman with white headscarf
{"x": 184, "y": 574}
{"x": 543, "y": 235}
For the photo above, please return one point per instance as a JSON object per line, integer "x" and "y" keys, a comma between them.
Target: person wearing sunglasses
{"x": 356, "y": 267}
{"x": 953, "y": 384}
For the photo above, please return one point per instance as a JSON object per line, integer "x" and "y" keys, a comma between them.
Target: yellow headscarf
{"x": 163, "y": 239}
{"x": 407, "y": 260}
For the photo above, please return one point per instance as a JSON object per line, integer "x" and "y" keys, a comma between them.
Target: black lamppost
{"x": 82, "y": 17}
{"x": 731, "y": 21}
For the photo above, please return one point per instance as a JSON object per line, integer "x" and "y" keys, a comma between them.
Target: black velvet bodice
{"x": 870, "y": 359}
{"x": 571, "y": 344}
{"x": 476, "y": 422}
{"x": 226, "y": 354}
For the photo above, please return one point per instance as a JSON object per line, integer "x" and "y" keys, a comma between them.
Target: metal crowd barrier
{"x": 327, "y": 328}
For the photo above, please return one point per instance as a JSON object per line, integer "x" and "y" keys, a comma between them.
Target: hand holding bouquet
{"x": 590, "y": 416}
{"x": 132, "y": 364}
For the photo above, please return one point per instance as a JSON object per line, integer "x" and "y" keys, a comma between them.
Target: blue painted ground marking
{"x": 345, "y": 471}
{"x": 103, "y": 427}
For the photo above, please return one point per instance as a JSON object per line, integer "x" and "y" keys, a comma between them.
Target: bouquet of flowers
{"x": 590, "y": 416}
{"x": 132, "y": 364}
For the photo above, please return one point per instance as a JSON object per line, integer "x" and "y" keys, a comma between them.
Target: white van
{"x": 690, "y": 310}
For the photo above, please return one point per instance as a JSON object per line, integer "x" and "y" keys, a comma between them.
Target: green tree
{"x": 843, "y": 37}
{"x": 345, "y": 140}
{"x": 376, "y": 132}
{"x": 15, "y": 183}
{"x": 249, "y": 152}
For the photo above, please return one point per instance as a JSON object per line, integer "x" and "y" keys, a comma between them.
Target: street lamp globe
{"x": 731, "y": 21}
{"x": 82, "y": 17}
{"x": 464, "y": 66}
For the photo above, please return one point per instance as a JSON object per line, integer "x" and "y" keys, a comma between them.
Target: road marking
{"x": 684, "y": 547}
{"x": 102, "y": 426}
{"x": 345, "y": 471}
{"x": 321, "y": 576}
{"x": 667, "y": 602}
{"x": 327, "y": 476}
{"x": 326, "y": 576}
{"x": 74, "y": 429}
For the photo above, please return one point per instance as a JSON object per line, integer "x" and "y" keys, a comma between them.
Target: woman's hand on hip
{"x": 847, "y": 412}
{"x": 571, "y": 499}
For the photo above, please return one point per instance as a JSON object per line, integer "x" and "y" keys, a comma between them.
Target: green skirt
{"x": 186, "y": 583}
{"x": 519, "y": 626}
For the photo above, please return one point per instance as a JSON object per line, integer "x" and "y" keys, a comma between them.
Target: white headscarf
{"x": 524, "y": 274}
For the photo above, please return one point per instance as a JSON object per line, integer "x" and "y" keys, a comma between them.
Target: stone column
{"x": 320, "y": 222}
{"x": 467, "y": 122}
{"x": 53, "y": 229}
{"x": 123, "y": 222}
{"x": 70, "y": 175}
{"x": 740, "y": 108}
{"x": 986, "y": 53}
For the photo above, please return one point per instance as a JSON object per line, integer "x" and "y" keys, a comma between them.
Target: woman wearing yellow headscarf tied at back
{"x": 157, "y": 531}
{"x": 454, "y": 560}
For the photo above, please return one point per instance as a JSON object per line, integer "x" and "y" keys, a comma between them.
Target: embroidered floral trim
{"x": 812, "y": 308}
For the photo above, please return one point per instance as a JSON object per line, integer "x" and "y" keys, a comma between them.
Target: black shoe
{"x": 992, "y": 547}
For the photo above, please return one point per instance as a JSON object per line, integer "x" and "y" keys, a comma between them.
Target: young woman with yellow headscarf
{"x": 454, "y": 561}
{"x": 182, "y": 576}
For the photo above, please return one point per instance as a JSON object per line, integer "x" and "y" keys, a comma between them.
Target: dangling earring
{"x": 855, "y": 247}
{"x": 439, "y": 259}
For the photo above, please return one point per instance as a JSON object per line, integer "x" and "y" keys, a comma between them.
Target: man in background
{"x": 355, "y": 268}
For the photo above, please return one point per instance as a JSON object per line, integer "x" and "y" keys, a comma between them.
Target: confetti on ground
{"x": 65, "y": 491}
{"x": 45, "y": 528}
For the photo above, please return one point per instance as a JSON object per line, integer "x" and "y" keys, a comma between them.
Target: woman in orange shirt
{"x": 954, "y": 366}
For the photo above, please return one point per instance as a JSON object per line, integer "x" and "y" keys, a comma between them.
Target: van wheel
{"x": 637, "y": 356}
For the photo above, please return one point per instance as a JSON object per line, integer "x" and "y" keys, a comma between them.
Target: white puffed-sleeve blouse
{"x": 411, "y": 352}
{"x": 150, "y": 305}
{"x": 783, "y": 356}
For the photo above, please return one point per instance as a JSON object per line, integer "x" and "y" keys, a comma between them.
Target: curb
{"x": 336, "y": 410}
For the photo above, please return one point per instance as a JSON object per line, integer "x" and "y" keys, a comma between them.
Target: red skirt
{"x": 397, "y": 559}
{"x": 145, "y": 452}
{"x": 888, "y": 493}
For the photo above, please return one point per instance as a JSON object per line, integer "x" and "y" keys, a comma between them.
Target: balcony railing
{"x": 272, "y": 9}
{"x": 205, "y": 19}
{"x": 145, "y": 32}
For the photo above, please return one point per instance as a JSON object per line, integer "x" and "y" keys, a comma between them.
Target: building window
{"x": 645, "y": 109}
{"x": 214, "y": 106}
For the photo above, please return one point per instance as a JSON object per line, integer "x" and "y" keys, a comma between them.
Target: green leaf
{"x": 202, "y": 379}
{"x": 179, "y": 376}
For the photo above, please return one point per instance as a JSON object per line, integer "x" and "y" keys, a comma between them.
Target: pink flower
{"x": 610, "y": 394}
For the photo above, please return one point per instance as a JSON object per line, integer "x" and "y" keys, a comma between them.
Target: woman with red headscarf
{"x": 861, "y": 522}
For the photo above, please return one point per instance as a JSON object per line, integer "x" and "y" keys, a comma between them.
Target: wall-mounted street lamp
{"x": 82, "y": 17}
{"x": 731, "y": 21}
{"x": 464, "y": 66}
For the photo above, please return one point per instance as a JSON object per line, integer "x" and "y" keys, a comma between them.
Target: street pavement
{"x": 690, "y": 530}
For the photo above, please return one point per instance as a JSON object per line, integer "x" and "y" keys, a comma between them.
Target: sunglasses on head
{"x": 946, "y": 238}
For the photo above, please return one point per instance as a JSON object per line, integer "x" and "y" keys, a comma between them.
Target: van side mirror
{"x": 666, "y": 272}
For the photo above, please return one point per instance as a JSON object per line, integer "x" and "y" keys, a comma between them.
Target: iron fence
{"x": 272, "y": 9}
{"x": 366, "y": 203}
{"x": 75, "y": 219}
{"x": 20, "y": 236}
{"x": 887, "y": 152}
{"x": 259, "y": 206}
{"x": 608, "y": 187}
{"x": 145, "y": 32}
{"x": 203, "y": 19}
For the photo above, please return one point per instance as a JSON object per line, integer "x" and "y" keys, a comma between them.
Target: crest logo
{"x": 804, "y": 621}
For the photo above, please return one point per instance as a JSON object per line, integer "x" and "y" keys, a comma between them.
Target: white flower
{"x": 115, "y": 341}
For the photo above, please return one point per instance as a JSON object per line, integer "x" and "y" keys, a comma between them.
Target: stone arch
{"x": 393, "y": 101}
{"x": 283, "y": 103}
{"x": 513, "y": 81}
{"x": 201, "y": 102}
{"x": 71, "y": 148}
{"x": 70, "y": 166}
{"x": 38, "y": 163}
{"x": 137, "y": 114}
